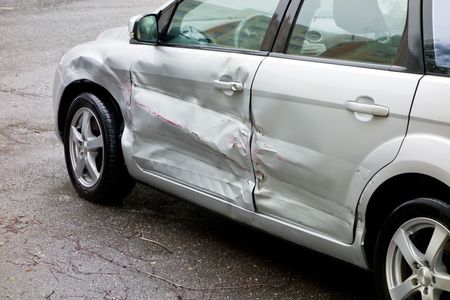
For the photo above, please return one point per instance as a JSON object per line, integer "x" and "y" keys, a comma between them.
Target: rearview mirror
{"x": 144, "y": 29}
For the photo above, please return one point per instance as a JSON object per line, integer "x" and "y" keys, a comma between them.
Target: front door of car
{"x": 332, "y": 110}
{"x": 191, "y": 95}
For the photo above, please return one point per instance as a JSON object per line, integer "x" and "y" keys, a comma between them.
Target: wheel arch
{"x": 390, "y": 194}
{"x": 80, "y": 86}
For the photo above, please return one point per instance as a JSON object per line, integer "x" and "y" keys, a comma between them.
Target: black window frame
{"x": 428, "y": 43}
{"x": 166, "y": 16}
{"x": 412, "y": 60}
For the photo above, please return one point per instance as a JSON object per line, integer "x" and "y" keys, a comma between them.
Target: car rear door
{"x": 191, "y": 94}
{"x": 331, "y": 108}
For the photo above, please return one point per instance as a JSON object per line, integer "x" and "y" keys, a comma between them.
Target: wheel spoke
{"x": 437, "y": 242}
{"x": 404, "y": 290}
{"x": 442, "y": 282}
{"x": 75, "y": 134}
{"x": 410, "y": 253}
{"x": 86, "y": 125}
{"x": 92, "y": 168}
{"x": 95, "y": 143}
{"x": 80, "y": 166}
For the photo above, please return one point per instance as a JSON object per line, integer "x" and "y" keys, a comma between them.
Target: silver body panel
{"x": 186, "y": 128}
{"x": 426, "y": 147}
{"x": 316, "y": 156}
{"x": 108, "y": 64}
{"x": 186, "y": 137}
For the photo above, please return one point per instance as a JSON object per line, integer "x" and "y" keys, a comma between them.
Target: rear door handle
{"x": 370, "y": 109}
{"x": 230, "y": 86}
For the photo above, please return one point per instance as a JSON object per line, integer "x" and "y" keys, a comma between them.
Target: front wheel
{"x": 412, "y": 255}
{"x": 93, "y": 151}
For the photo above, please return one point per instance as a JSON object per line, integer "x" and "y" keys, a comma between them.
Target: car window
{"x": 238, "y": 24}
{"x": 371, "y": 31}
{"x": 437, "y": 42}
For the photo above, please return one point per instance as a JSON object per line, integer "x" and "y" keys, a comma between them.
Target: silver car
{"x": 324, "y": 122}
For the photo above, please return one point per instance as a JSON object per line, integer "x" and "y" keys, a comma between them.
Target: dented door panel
{"x": 310, "y": 153}
{"x": 186, "y": 128}
{"x": 293, "y": 184}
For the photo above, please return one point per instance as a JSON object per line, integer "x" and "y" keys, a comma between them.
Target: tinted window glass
{"x": 371, "y": 31}
{"x": 437, "y": 38}
{"x": 222, "y": 23}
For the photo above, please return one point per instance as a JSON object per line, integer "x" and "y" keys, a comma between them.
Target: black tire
{"x": 114, "y": 181}
{"x": 434, "y": 209}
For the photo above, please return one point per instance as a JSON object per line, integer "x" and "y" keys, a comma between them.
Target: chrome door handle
{"x": 370, "y": 109}
{"x": 230, "y": 86}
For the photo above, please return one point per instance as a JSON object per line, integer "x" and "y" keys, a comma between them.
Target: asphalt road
{"x": 54, "y": 245}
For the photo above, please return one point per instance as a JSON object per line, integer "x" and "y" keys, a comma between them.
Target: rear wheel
{"x": 93, "y": 151}
{"x": 412, "y": 257}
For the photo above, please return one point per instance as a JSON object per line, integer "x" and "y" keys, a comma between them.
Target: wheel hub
{"x": 83, "y": 149}
{"x": 425, "y": 277}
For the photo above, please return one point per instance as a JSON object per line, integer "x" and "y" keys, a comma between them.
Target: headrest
{"x": 359, "y": 16}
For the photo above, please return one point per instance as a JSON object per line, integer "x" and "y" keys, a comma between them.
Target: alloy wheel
{"x": 86, "y": 147}
{"x": 417, "y": 261}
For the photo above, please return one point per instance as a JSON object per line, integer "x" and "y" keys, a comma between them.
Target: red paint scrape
{"x": 159, "y": 116}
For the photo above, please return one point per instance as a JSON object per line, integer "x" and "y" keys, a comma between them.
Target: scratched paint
{"x": 315, "y": 155}
{"x": 185, "y": 128}
{"x": 185, "y": 136}
{"x": 292, "y": 173}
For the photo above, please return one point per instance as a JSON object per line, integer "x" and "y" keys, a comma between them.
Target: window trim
{"x": 340, "y": 62}
{"x": 214, "y": 48}
{"x": 266, "y": 46}
{"x": 412, "y": 58}
{"x": 169, "y": 11}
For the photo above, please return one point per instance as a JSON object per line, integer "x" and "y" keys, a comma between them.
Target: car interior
{"x": 208, "y": 24}
{"x": 348, "y": 30}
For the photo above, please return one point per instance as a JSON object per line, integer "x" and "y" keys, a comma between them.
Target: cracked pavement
{"x": 54, "y": 245}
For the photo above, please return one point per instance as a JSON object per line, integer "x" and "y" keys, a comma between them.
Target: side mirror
{"x": 144, "y": 28}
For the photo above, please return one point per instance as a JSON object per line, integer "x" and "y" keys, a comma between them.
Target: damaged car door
{"x": 191, "y": 94}
{"x": 331, "y": 109}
